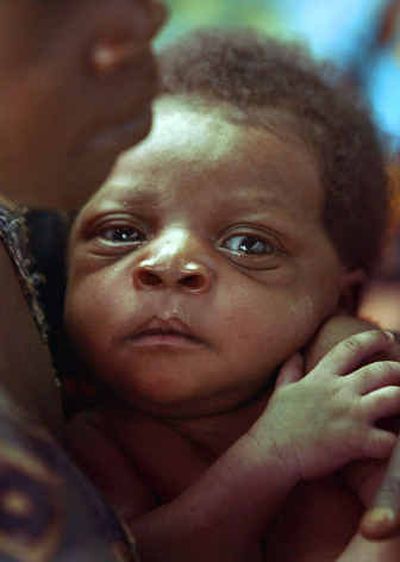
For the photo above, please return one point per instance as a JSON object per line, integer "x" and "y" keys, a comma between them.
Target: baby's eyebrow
{"x": 135, "y": 195}
{"x": 248, "y": 198}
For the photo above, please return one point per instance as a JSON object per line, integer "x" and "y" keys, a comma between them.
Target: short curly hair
{"x": 251, "y": 72}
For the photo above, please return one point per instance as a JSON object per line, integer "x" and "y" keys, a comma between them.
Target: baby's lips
{"x": 173, "y": 326}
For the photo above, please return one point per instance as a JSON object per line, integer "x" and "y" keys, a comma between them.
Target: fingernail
{"x": 378, "y": 521}
{"x": 390, "y": 335}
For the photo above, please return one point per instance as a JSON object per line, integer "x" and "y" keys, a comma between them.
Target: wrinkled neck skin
{"x": 212, "y": 433}
{"x": 216, "y": 433}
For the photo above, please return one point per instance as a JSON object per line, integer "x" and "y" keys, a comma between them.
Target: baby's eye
{"x": 252, "y": 249}
{"x": 248, "y": 244}
{"x": 122, "y": 235}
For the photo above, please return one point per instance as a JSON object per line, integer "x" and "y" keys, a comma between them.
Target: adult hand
{"x": 327, "y": 418}
{"x": 382, "y": 520}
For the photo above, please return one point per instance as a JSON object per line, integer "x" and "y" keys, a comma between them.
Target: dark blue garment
{"x": 48, "y": 510}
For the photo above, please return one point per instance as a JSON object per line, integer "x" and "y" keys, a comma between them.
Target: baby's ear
{"x": 352, "y": 285}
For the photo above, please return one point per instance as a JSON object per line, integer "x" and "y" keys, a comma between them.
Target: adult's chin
{"x": 91, "y": 167}
{"x": 66, "y": 180}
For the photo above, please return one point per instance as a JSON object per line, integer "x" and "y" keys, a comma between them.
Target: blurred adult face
{"x": 76, "y": 81}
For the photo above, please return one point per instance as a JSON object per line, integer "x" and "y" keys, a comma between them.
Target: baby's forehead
{"x": 182, "y": 133}
{"x": 188, "y": 140}
{"x": 191, "y": 128}
{"x": 186, "y": 127}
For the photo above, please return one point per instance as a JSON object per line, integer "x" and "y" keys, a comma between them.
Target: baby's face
{"x": 201, "y": 265}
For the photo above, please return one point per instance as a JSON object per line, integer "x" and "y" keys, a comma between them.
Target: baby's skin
{"x": 275, "y": 491}
{"x": 195, "y": 272}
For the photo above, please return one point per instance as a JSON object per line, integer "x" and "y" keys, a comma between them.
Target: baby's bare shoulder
{"x": 105, "y": 462}
{"x": 165, "y": 459}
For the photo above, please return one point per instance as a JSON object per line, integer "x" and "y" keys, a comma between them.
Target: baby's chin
{"x": 186, "y": 405}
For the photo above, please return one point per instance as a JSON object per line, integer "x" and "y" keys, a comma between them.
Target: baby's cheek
{"x": 306, "y": 315}
{"x": 270, "y": 335}
{"x": 83, "y": 319}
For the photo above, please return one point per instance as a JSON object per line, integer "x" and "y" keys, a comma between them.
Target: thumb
{"x": 291, "y": 371}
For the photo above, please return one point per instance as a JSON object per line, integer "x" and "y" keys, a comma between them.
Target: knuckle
{"x": 378, "y": 340}
{"x": 357, "y": 342}
{"x": 352, "y": 344}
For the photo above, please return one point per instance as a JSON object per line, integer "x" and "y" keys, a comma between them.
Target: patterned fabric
{"x": 13, "y": 233}
{"x": 48, "y": 510}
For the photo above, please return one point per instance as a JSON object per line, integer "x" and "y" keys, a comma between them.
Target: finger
{"x": 376, "y": 375}
{"x": 291, "y": 371}
{"x": 393, "y": 352}
{"x": 352, "y": 352}
{"x": 381, "y": 403}
{"x": 382, "y": 519}
{"x": 333, "y": 331}
{"x": 378, "y": 444}
{"x": 364, "y": 476}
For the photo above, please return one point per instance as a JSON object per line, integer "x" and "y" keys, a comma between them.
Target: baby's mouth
{"x": 168, "y": 332}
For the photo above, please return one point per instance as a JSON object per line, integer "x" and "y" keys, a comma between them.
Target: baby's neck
{"x": 216, "y": 432}
{"x": 211, "y": 434}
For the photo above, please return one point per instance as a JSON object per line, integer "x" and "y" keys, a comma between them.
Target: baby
{"x": 250, "y": 216}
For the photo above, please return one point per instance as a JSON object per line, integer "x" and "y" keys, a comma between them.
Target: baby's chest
{"x": 315, "y": 523}
{"x": 167, "y": 463}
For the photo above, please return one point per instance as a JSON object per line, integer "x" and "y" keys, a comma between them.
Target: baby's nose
{"x": 130, "y": 27}
{"x": 190, "y": 277}
{"x": 176, "y": 259}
